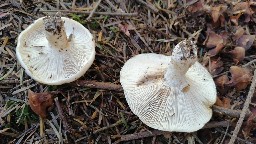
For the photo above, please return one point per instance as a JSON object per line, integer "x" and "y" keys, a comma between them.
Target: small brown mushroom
{"x": 40, "y": 102}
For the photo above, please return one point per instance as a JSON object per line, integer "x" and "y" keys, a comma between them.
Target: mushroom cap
{"x": 163, "y": 107}
{"x": 50, "y": 65}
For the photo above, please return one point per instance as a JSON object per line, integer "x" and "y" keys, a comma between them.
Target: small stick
{"x": 228, "y": 112}
{"x": 143, "y": 134}
{"x": 41, "y": 127}
{"x": 244, "y": 110}
{"x": 249, "y": 63}
{"x": 65, "y": 124}
{"x": 158, "y": 132}
{"x": 107, "y": 127}
{"x": 216, "y": 124}
{"x": 149, "y": 5}
{"x": 95, "y": 84}
{"x": 111, "y": 5}
{"x": 96, "y": 13}
{"x": 94, "y": 9}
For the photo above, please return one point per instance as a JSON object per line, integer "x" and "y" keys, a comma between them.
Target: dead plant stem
{"x": 94, "y": 9}
{"x": 96, "y": 13}
{"x": 244, "y": 110}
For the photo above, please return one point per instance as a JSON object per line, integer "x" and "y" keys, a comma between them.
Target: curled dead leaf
{"x": 213, "y": 39}
{"x": 216, "y": 50}
{"x": 239, "y": 32}
{"x": 223, "y": 102}
{"x": 243, "y": 8}
{"x": 238, "y": 54}
{"x": 246, "y": 41}
{"x": 197, "y": 6}
{"x": 40, "y": 102}
{"x": 217, "y": 11}
{"x": 234, "y": 19}
{"x": 215, "y": 67}
{"x": 220, "y": 83}
{"x": 249, "y": 126}
{"x": 241, "y": 77}
{"x": 125, "y": 28}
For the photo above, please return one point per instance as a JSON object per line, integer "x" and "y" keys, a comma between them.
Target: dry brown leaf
{"x": 246, "y": 41}
{"x": 238, "y": 54}
{"x": 216, "y": 66}
{"x": 239, "y": 32}
{"x": 217, "y": 11}
{"x": 243, "y": 8}
{"x": 221, "y": 81}
{"x": 241, "y": 77}
{"x": 250, "y": 125}
{"x": 213, "y": 39}
{"x": 223, "y": 102}
{"x": 216, "y": 50}
{"x": 198, "y": 6}
{"x": 40, "y": 102}
{"x": 234, "y": 19}
{"x": 125, "y": 28}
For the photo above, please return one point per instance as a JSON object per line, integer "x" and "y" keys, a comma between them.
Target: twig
{"x": 244, "y": 110}
{"x": 107, "y": 127}
{"x": 96, "y": 13}
{"x": 111, "y": 5}
{"x": 216, "y": 124}
{"x": 143, "y": 134}
{"x": 240, "y": 139}
{"x": 228, "y": 112}
{"x": 94, "y": 9}
{"x": 65, "y": 124}
{"x": 158, "y": 132}
{"x": 95, "y": 84}
{"x": 41, "y": 127}
{"x": 249, "y": 63}
{"x": 149, "y": 5}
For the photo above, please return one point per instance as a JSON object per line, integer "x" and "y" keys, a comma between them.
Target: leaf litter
{"x": 93, "y": 109}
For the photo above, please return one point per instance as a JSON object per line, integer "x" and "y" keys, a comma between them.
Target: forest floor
{"x": 93, "y": 109}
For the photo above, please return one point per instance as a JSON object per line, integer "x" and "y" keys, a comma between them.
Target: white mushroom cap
{"x": 55, "y": 50}
{"x": 169, "y": 93}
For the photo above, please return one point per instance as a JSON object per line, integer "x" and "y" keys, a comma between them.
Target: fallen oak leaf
{"x": 241, "y": 77}
{"x": 40, "y": 102}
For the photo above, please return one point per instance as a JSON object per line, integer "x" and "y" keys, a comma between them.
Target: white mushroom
{"x": 169, "y": 93}
{"x": 55, "y": 50}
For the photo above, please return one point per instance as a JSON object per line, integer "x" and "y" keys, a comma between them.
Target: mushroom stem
{"x": 55, "y": 31}
{"x": 184, "y": 55}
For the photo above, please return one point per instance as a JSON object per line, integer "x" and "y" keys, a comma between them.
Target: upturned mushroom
{"x": 169, "y": 93}
{"x": 55, "y": 50}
